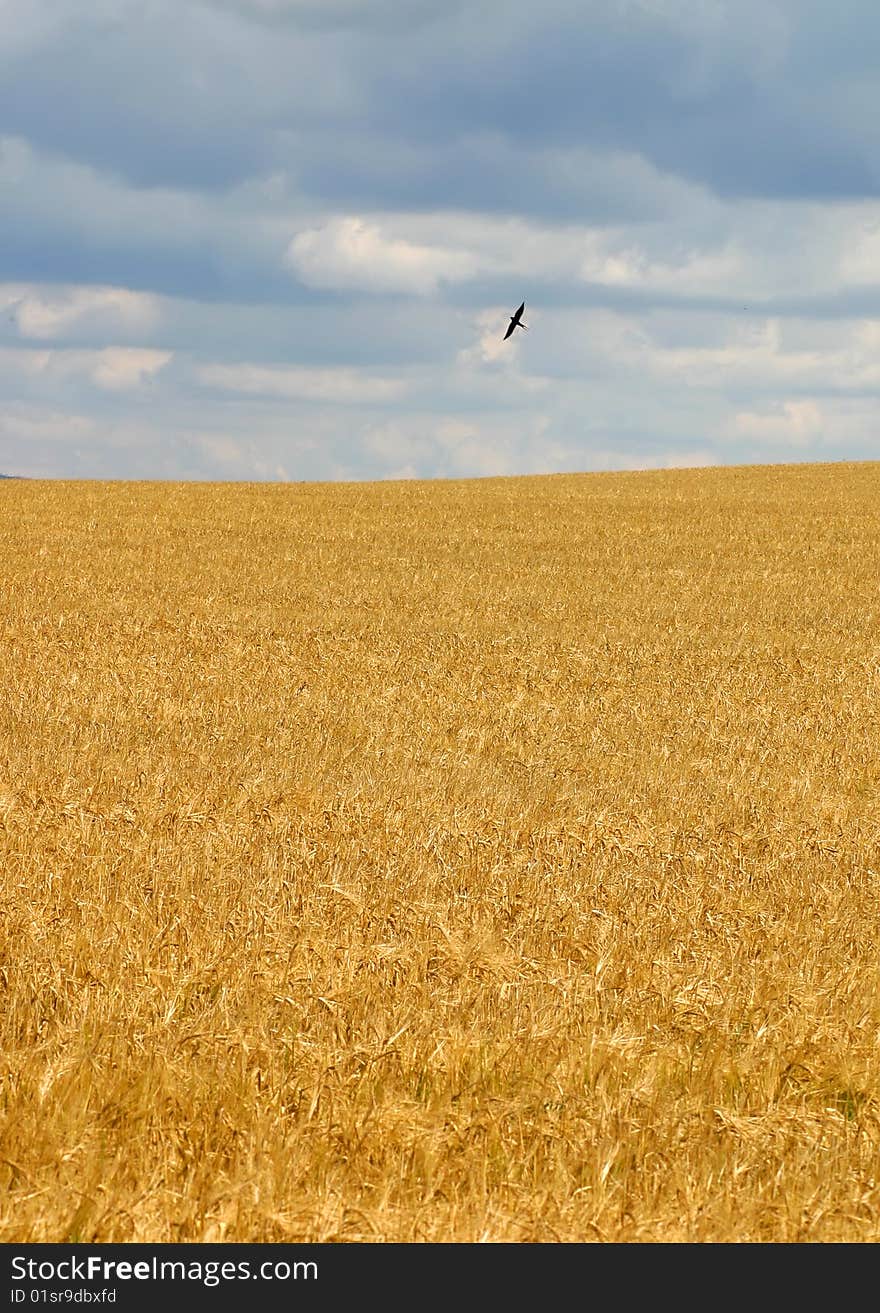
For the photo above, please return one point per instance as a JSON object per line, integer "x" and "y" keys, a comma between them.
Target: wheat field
{"x": 494, "y": 860}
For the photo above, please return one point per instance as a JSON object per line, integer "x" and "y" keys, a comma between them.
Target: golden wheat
{"x": 484, "y": 860}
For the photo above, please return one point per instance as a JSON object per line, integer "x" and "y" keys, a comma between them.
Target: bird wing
{"x": 519, "y": 312}
{"x": 510, "y": 327}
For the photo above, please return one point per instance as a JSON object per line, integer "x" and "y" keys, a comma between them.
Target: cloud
{"x": 39, "y": 441}
{"x": 791, "y": 422}
{"x": 349, "y": 253}
{"x": 346, "y": 387}
{"x": 497, "y": 105}
{"x": 112, "y": 369}
{"x": 241, "y": 237}
{"x": 619, "y": 263}
{"x": 43, "y": 313}
{"x": 749, "y": 99}
{"x": 124, "y": 367}
{"x": 714, "y": 352}
{"x": 338, "y": 13}
{"x": 490, "y": 348}
{"x": 761, "y": 361}
{"x": 37, "y": 425}
{"x": 471, "y": 445}
{"x": 239, "y": 459}
{"x": 695, "y": 458}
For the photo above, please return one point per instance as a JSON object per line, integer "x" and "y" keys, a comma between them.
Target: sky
{"x": 280, "y": 240}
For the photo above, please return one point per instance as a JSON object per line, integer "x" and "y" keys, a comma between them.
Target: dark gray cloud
{"x": 738, "y": 97}
{"x": 458, "y": 105}
{"x": 303, "y": 15}
{"x": 171, "y": 95}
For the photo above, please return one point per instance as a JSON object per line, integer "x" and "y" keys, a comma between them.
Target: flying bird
{"x": 515, "y": 322}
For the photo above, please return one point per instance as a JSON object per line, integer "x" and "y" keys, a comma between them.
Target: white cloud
{"x": 684, "y": 459}
{"x": 753, "y": 353}
{"x": 469, "y": 446}
{"x": 795, "y": 423}
{"x": 418, "y": 445}
{"x": 758, "y": 367}
{"x": 126, "y": 367}
{"x": 613, "y": 261}
{"x": 223, "y": 449}
{"x": 349, "y": 253}
{"x": 45, "y": 314}
{"x": 401, "y": 449}
{"x": 490, "y": 358}
{"x": 340, "y": 386}
{"x": 490, "y": 347}
{"x": 112, "y": 369}
{"x": 32, "y": 424}
{"x": 858, "y": 264}
{"x": 746, "y": 252}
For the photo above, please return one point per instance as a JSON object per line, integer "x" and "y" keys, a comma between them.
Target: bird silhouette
{"x": 515, "y": 322}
